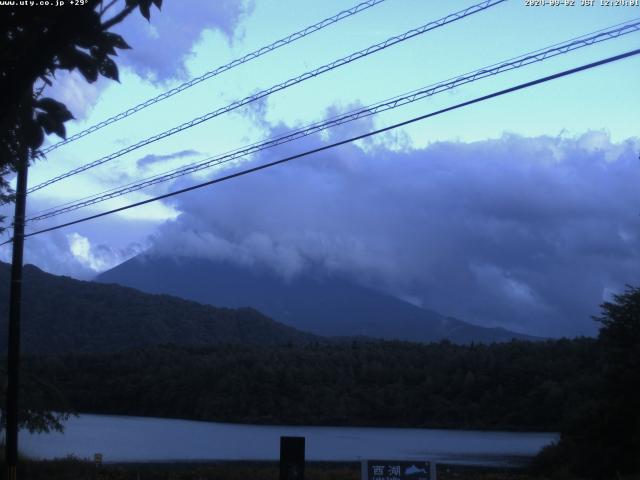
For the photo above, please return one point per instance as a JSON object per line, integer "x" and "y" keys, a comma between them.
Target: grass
{"x": 75, "y": 469}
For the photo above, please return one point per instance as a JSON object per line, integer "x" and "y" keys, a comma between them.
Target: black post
{"x": 291, "y": 458}
{"x": 15, "y": 300}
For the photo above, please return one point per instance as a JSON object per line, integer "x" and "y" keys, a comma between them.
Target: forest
{"x": 516, "y": 385}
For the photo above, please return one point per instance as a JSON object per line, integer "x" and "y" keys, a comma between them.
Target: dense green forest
{"x": 61, "y": 314}
{"x": 516, "y": 385}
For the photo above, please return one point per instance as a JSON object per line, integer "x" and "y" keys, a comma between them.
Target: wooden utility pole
{"x": 15, "y": 301}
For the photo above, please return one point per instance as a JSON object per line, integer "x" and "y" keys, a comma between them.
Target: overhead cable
{"x": 247, "y": 171}
{"x": 217, "y": 71}
{"x": 281, "y": 86}
{"x": 395, "y": 102}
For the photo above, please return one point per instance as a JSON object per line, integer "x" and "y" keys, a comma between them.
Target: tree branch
{"x": 104, "y": 9}
{"x": 118, "y": 18}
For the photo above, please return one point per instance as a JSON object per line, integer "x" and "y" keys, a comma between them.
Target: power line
{"x": 516, "y": 62}
{"x": 281, "y": 86}
{"x": 395, "y": 102}
{"x": 217, "y": 71}
{"x": 343, "y": 142}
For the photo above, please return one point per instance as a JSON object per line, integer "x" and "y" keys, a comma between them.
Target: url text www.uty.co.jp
{"x": 43, "y": 3}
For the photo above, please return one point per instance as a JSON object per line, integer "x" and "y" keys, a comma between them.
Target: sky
{"x": 519, "y": 212}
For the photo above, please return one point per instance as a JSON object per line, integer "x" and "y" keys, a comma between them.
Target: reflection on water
{"x": 123, "y": 439}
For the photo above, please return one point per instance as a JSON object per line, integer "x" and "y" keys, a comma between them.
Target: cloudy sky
{"x": 519, "y": 212}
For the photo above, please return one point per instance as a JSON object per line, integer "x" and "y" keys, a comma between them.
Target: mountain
{"x": 61, "y": 314}
{"x": 320, "y": 304}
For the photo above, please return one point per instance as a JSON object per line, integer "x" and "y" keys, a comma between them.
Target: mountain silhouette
{"x": 313, "y": 302}
{"x": 61, "y": 314}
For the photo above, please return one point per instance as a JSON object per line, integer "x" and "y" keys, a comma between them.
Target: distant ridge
{"x": 323, "y": 305}
{"x": 61, "y": 314}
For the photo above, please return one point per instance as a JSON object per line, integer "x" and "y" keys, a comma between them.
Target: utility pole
{"x": 15, "y": 301}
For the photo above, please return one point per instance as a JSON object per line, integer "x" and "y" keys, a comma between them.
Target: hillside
{"x": 323, "y": 305}
{"x": 61, "y": 314}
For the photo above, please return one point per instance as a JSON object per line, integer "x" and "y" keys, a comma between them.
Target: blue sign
{"x": 397, "y": 470}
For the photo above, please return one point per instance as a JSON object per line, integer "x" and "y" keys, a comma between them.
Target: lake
{"x": 138, "y": 439}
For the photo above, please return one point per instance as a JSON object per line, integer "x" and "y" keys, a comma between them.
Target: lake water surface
{"x": 137, "y": 439}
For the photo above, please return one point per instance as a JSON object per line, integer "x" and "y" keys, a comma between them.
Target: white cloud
{"x": 75, "y": 92}
{"x": 80, "y": 247}
{"x": 524, "y": 233}
{"x": 161, "y": 48}
{"x": 100, "y": 257}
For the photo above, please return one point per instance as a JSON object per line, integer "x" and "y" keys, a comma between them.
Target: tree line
{"x": 517, "y": 385}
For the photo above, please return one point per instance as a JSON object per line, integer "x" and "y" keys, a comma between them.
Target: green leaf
{"x": 109, "y": 69}
{"x": 54, "y": 108}
{"x": 89, "y": 72}
{"x": 116, "y": 40}
{"x": 46, "y": 122}
{"x": 85, "y": 42}
{"x": 73, "y": 58}
{"x": 35, "y": 137}
{"x": 51, "y": 124}
{"x": 60, "y": 130}
{"x": 145, "y": 10}
{"x": 105, "y": 46}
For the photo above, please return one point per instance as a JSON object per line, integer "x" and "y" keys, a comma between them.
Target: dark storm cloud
{"x": 152, "y": 159}
{"x": 527, "y": 233}
{"x": 161, "y": 46}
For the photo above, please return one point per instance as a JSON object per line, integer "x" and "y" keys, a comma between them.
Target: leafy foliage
{"x": 44, "y": 406}
{"x": 602, "y": 438}
{"x": 34, "y": 44}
